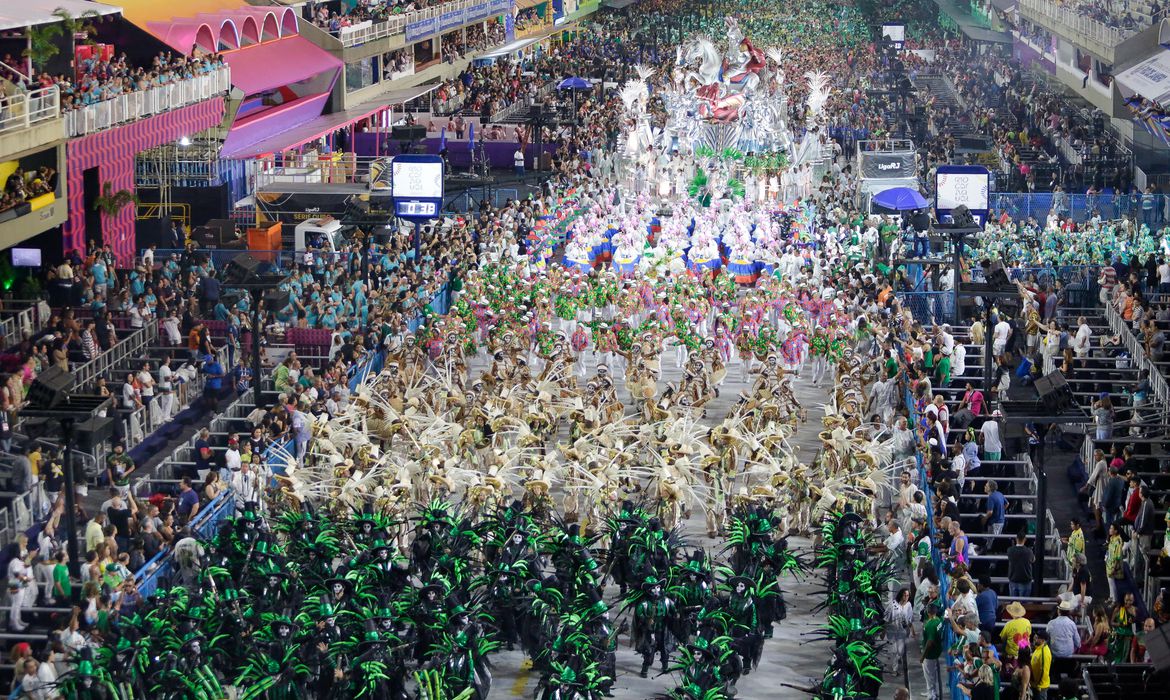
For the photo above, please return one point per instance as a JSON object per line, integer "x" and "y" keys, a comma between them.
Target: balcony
{"x": 423, "y": 23}
{"x": 30, "y": 121}
{"x": 89, "y": 119}
{"x": 1067, "y": 21}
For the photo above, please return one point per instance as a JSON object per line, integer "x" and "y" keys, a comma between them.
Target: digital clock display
{"x": 416, "y": 208}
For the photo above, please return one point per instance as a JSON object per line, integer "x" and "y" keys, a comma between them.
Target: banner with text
{"x": 886, "y": 166}
{"x": 425, "y": 28}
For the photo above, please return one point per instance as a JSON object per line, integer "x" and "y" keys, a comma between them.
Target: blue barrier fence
{"x": 1151, "y": 209}
{"x": 271, "y": 261}
{"x": 936, "y": 556}
{"x": 929, "y": 307}
{"x": 206, "y": 522}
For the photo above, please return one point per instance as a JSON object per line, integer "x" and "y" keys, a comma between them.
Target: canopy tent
{"x": 30, "y": 13}
{"x": 900, "y": 199}
{"x": 574, "y": 83}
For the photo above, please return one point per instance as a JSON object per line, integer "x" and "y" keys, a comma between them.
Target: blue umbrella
{"x": 574, "y": 83}
{"x": 900, "y": 199}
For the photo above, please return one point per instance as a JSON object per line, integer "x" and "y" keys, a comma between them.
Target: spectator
{"x": 1063, "y": 631}
{"x": 996, "y": 508}
{"x": 188, "y": 506}
{"x": 1017, "y": 632}
{"x": 1115, "y": 558}
{"x": 987, "y": 602}
{"x": 94, "y": 532}
{"x": 1020, "y": 560}
{"x": 932, "y": 653}
{"x": 119, "y": 467}
{"x": 989, "y": 433}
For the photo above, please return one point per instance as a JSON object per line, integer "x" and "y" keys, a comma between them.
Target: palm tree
{"x": 42, "y": 44}
{"x": 110, "y": 202}
{"x": 78, "y": 26}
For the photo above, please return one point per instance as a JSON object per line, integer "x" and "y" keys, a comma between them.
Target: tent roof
{"x": 27, "y": 13}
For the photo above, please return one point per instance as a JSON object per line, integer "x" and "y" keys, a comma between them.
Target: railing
{"x": 204, "y": 525}
{"x": 372, "y": 31}
{"x": 18, "y": 516}
{"x": 522, "y": 104}
{"x": 22, "y": 110}
{"x": 929, "y": 307}
{"x": 1073, "y": 22}
{"x": 132, "y": 345}
{"x": 1137, "y": 354}
{"x": 15, "y": 327}
{"x": 1079, "y": 206}
{"x": 136, "y": 105}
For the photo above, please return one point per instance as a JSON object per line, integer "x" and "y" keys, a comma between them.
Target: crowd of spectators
{"x": 97, "y": 80}
{"x": 1129, "y": 15}
{"x": 457, "y": 47}
{"x": 21, "y": 186}
{"x": 332, "y": 20}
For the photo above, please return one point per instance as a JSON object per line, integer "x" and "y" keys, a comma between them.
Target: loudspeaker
{"x": 1055, "y": 392}
{"x": 996, "y": 275}
{"x": 242, "y": 268}
{"x": 49, "y": 388}
{"x": 961, "y": 216}
{"x": 93, "y": 432}
{"x": 276, "y": 299}
{"x": 408, "y": 133}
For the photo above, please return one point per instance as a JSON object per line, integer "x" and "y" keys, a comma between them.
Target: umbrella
{"x": 575, "y": 83}
{"x": 899, "y": 199}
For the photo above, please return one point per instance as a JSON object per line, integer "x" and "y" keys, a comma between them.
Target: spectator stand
{"x": 1151, "y": 461}
{"x": 164, "y": 481}
{"x": 1019, "y": 482}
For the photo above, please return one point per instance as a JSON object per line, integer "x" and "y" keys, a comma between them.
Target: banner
{"x": 450, "y": 20}
{"x": 417, "y": 31}
{"x": 425, "y": 28}
{"x": 887, "y": 166}
{"x": 291, "y": 208}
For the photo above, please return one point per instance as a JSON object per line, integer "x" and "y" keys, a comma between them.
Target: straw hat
{"x": 1015, "y": 610}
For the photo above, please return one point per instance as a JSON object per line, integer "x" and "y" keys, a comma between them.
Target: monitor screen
{"x": 969, "y": 189}
{"x": 895, "y": 33}
{"x": 414, "y": 180}
{"x": 26, "y": 257}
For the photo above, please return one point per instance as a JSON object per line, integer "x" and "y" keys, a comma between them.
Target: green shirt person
{"x": 62, "y": 586}
{"x": 119, "y": 467}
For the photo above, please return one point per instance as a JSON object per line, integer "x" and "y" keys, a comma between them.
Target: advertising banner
{"x": 887, "y": 166}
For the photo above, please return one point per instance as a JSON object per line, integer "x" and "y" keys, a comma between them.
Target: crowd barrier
{"x": 1151, "y": 209}
{"x": 159, "y": 568}
{"x": 271, "y": 261}
{"x": 132, "y": 106}
{"x": 929, "y": 307}
{"x": 22, "y": 110}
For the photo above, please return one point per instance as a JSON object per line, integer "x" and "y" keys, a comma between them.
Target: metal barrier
{"x": 367, "y": 32}
{"x": 1021, "y": 205}
{"x": 204, "y": 526}
{"x": 15, "y": 327}
{"x": 22, "y": 110}
{"x": 1137, "y": 353}
{"x": 467, "y": 200}
{"x": 132, "y": 106}
{"x": 132, "y": 345}
{"x": 929, "y": 307}
{"x": 1073, "y": 23}
{"x": 271, "y": 261}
